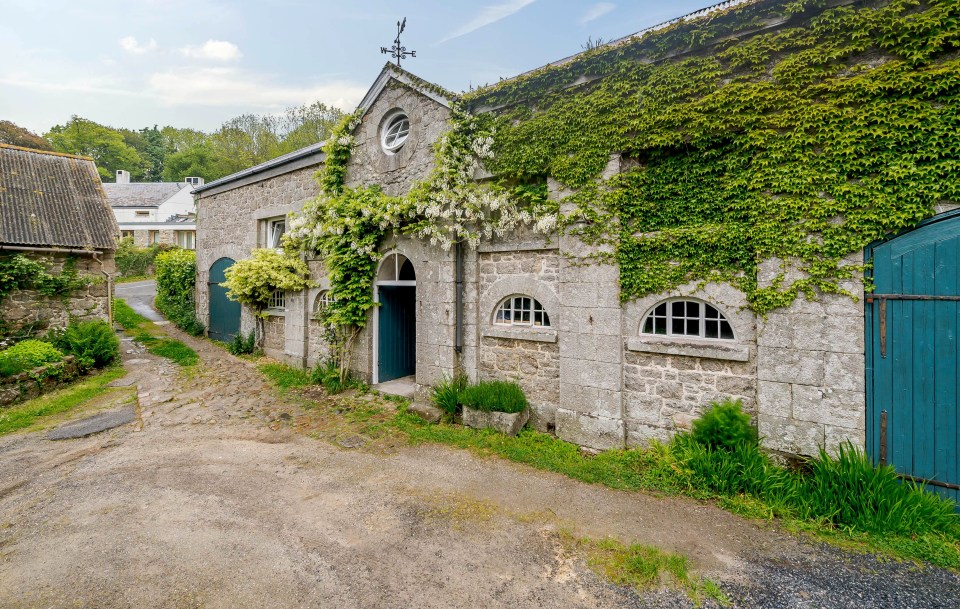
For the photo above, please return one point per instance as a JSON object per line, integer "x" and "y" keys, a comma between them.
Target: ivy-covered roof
{"x": 49, "y": 199}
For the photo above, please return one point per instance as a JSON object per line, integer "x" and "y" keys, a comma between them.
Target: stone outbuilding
{"x": 53, "y": 210}
{"x": 599, "y": 371}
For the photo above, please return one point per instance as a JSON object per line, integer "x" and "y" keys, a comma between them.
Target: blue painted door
{"x": 913, "y": 355}
{"x": 397, "y": 319}
{"x": 224, "y": 313}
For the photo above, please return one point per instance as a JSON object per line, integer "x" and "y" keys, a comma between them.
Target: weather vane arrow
{"x": 398, "y": 51}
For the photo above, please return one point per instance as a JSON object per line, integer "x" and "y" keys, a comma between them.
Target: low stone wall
{"x": 36, "y": 382}
{"x": 27, "y": 307}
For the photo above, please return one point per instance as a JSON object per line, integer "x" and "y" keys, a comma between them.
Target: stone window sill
{"x": 276, "y": 312}
{"x": 689, "y": 348}
{"x": 539, "y": 335}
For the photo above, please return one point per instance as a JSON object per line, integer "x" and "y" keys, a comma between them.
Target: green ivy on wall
{"x": 803, "y": 143}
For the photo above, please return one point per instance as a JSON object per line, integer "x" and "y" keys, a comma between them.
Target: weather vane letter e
{"x": 398, "y": 51}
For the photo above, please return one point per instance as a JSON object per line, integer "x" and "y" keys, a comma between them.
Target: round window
{"x": 395, "y": 133}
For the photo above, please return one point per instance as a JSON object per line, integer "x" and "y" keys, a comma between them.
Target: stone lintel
{"x": 691, "y": 348}
{"x": 539, "y": 336}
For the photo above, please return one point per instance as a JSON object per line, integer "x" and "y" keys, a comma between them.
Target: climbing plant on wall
{"x": 736, "y": 142}
{"x": 803, "y": 144}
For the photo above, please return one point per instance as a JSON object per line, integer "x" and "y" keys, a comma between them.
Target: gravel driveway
{"x": 209, "y": 499}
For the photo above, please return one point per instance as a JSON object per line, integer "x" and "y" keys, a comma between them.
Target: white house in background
{"x": 155, "y": 212}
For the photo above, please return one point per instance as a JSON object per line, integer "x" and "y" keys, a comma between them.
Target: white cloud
{"x": 232, "y": 87}
{"x": 130, "y": 45}
{"x": 216, "y": 50}
{"x": 596, "y": 11}
{"x": 489, "y": 14}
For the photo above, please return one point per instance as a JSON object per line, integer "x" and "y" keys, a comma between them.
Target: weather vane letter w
{"x": 398, "y": 51}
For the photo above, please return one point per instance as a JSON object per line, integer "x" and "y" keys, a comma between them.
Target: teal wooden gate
{"x": 913, "y": 357}
{"x": 224, "y": 313}
{"x": 397, "y": 328}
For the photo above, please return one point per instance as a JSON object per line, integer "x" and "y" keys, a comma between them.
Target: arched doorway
{"x": 913, "y": 354}
{"x": 224, "y": 313}
{"x": 396, "y": 341}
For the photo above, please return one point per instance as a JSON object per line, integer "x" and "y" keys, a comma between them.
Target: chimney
{"x": 194, "y": 181}
{"x": 123, "y": 177}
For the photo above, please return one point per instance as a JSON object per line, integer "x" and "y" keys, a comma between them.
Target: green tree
{"x": 18, "y": 136}
{"x": 105, "y": 145}
{"x": 199, "y": 160}
{"x": 307, "y": 124}
{"x": 154, "y": 152}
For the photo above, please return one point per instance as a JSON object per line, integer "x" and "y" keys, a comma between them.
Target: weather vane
{"x": 398, "y": 51}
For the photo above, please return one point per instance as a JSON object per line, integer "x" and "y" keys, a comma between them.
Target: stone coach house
{"x": 877, "y": 369}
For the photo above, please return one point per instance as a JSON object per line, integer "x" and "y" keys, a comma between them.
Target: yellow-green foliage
{"x": 804, "y": 142}
{"x": 27, "y": 355}
{"x": 253, "y": 280}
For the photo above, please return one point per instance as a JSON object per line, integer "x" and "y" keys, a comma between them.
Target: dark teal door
{"x": 224, "y": 313}
{"x": 398, "y": 332}
{"x": 913, "y": 354}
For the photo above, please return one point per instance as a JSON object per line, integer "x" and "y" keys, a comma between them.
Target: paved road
{"x": 214, "y": 498}
{"x": 139, "y": 295}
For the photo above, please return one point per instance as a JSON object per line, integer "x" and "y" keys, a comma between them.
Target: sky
{"x": 198, "y": 63}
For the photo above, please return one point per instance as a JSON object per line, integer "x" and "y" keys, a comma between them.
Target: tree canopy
{"x": 171, "y": 154}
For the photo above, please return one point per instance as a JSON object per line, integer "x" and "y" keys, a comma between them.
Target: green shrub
{"x": 134, "y": 261}
{"x": 496, "y": 396}
{"x": 446, "y": 394}
{"x": 242, "y": 346}
{"x": 176, "y": 278}
{"x": 94, "y": 343}
{"x": 27, "y": 355}
{"x": 327, "y": 374}
{"x": 848, "y": 491}
{"x": 725, "y": 425}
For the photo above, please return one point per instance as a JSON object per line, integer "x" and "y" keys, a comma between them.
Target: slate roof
{"x": 141, "y": 194}
{"x": 48, "y": 199}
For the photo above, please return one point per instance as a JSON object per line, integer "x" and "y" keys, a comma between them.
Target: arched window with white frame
{"x": 687, "y": 318}
{"x": 521, "y": 310}
{"x": 324, "y": 299}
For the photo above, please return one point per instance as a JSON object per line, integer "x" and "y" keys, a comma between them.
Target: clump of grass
{"x": 283, "y": 376}
{"x": 327, "y": 374}
{"x": 146, "y": 333}
{"x": 124, "y": 315}
{"x": 26, "y": 414}
{"x": 849, "y": 491}
{"x": 644, "y": 567}
{"x": 446, "y": 394}
{"x": 169, "y": 348}
{"x": 494, "y": 396}
{"x": 725, "y": 425}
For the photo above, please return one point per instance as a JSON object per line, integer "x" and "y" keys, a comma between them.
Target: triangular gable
{"x": 390, "y": 71}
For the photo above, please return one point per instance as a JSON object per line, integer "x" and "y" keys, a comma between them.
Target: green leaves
{"x": 252, "y": 281}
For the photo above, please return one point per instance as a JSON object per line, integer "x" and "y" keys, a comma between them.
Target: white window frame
{"x": 701, "y": 320}
{"x": 397, "y": 127}
{"x": 527, "y": 308}
{"x": 324, "y": 299}
{"x": 188, "y": 236}
{"x": 277, "y": 302}
{"x": 270, "y": 240}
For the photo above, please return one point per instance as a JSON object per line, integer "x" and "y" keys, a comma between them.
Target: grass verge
{"x": 28, "y": 413}
{"x": 151, "y": 336}
{"x": 656, "y": 469}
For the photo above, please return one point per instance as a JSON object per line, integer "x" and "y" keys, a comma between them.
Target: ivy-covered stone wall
{"x": 30, "y": 308}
